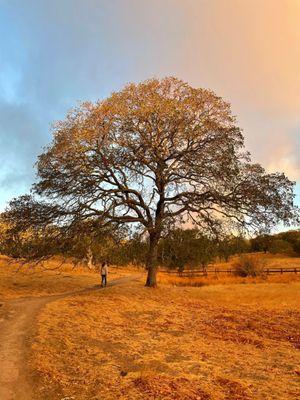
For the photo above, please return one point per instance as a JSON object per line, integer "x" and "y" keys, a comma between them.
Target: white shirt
{"x": 104, "y": 269}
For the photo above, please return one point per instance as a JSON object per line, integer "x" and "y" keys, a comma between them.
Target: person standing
{"x": 104, "y": 272}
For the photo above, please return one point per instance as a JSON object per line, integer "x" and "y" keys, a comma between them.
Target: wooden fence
{"x": 201, "y": 272}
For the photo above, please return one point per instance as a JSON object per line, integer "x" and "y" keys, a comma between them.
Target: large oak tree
{"x": 153, "y": 153}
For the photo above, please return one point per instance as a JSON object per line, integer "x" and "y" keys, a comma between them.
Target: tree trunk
{"x": 152, "y": 261}
{"x": 89, "y": 257}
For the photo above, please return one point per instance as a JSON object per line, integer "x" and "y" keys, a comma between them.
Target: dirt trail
{"x": 17, "y": 320}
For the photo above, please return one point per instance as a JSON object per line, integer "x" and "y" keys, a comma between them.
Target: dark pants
{"x": 104, "y": 280}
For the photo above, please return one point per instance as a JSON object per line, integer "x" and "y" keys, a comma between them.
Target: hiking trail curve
{"x": 17, "y": 324}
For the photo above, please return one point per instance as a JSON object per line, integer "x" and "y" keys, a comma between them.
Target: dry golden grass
{"x": 266, "y": 260}
{"x": 223, "y": 279}
{"x": 38, "y": 281}
{"x": 128, "y": 342}
{"x": 47, "y": 280}
{"x": 230, "y": 339}
{"x": 269, "y": 261}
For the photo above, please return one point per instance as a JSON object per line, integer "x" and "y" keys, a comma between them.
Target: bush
{"x": 248, "y": 265}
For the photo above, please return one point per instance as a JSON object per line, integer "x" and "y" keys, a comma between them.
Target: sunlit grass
{"x": 268, "y": 261}
{"x": 130, "y": 342}
{"x": 37, "y": 280}
{"x": 233, "y": 338}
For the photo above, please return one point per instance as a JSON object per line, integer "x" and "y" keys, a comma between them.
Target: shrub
{"x": 248, "y": 265}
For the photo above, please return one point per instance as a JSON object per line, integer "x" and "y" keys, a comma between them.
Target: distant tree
{"x": 155, "y": 152}
{"x": 280, "y": 246}
{"x": 89, "y": 242}
{"x": 230, "y": 245}
{"x": 131, "y": 251}
{"x": 85, "y": 241}
{"x": 16, "y": 243}
{"x": 6, "y": 241}
{"x": 284, "y": 242}
{"x": 261, "y": 243}
{"x": 293, "y": 238}
{"x": 296, "y": 248}
{"x": 186, "y": 247}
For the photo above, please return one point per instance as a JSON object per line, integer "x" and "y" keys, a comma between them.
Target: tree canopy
{"x": 156, "y": 153}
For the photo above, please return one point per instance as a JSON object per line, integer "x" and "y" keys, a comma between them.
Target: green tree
{"x": 280, "y": 246}
{"x": 230, "y": 245}
{"x": 186, "y": 247}
{"x": 261, "y": 243}
{"x": 292, "y": 237}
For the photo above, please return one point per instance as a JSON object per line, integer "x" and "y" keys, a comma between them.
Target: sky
{"x": 54, "y": 53}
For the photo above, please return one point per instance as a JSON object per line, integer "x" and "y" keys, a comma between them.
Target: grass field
{"x": 266, "y": 260}
{"x": 269, "y": 261}
{"x": 32, "y": 280}
{"x": 230, "y": 340}
{"x": 128, "y": 342}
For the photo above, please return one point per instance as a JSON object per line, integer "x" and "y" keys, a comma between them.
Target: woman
{"x": 104, "y": 272}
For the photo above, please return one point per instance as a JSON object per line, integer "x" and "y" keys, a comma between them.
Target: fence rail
{"x": 194, "y": 272}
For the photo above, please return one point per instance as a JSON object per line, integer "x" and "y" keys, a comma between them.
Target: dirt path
{"x": 17, "y": 321}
